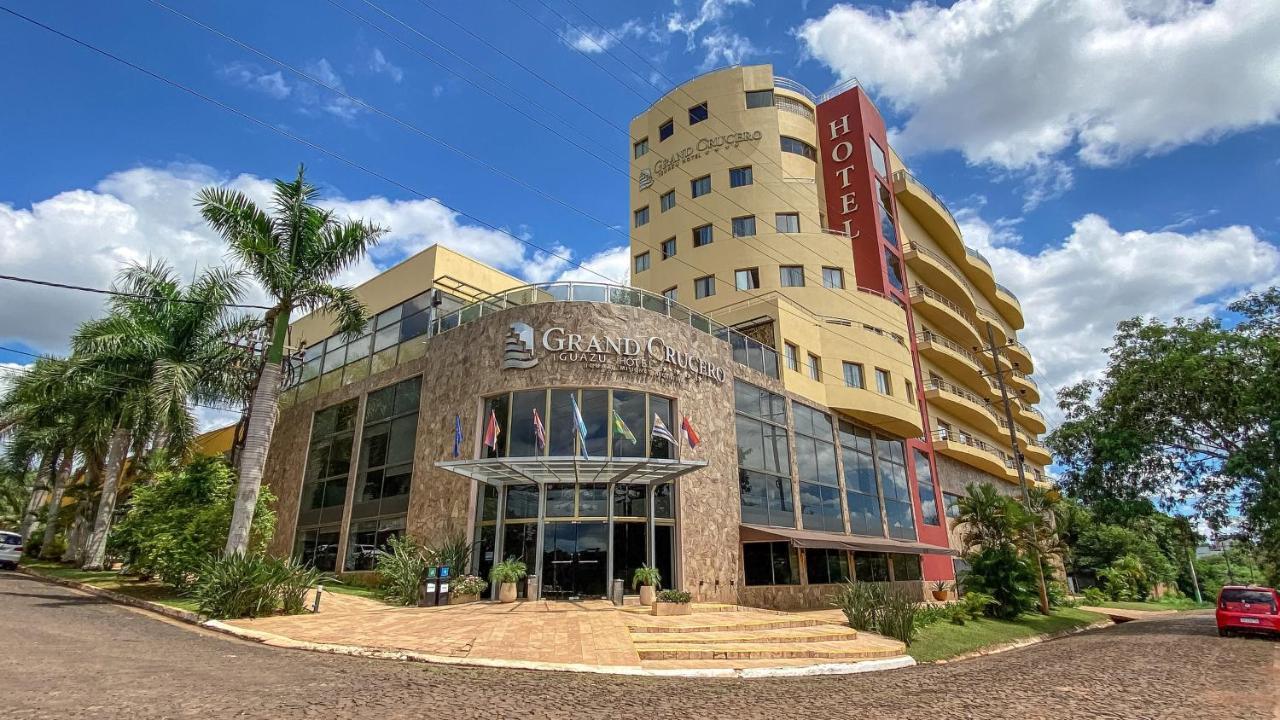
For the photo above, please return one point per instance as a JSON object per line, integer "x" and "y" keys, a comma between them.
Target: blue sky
{"x": 1111, "y": 158}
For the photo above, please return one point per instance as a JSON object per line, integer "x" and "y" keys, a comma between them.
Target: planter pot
{"x": 507, "y": 593}
{"x": 647, "y": 594}
{"x": 941, "y": 595}
{"x": 663, "y": 609}
{"x": 462, "y": 599}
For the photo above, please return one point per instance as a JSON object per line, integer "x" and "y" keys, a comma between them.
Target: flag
{"x": 690, "y": 434}
{"x": 579, "y": 426}
{"x": 620, "y": 428}
{"x": 539, "y": 432}
{"x": 457, "y": 436}
{"x": 492, "y": 431}
{"x": 660, "y": 430}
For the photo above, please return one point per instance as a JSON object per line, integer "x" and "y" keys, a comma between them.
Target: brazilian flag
{"x": 620, "y": 428}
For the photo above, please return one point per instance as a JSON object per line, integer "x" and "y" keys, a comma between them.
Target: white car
{"x": 10, "y": 550}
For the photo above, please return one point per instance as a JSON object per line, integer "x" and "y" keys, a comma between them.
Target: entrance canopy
{"x": 501, "y": 472}
{"x": 836, "y": 541}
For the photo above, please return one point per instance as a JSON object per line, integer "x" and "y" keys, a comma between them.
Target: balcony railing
{"x": 795, "y": 87}
{"x": 977, "y": 256}
{"x": 964, "y": 438}
{"x": 1008, "y": 292}
{"x": 938, "y": 257}
{"x": 907, "y": 176}
{"x": 928, "y": 336}
{"x": 922, "y": 291}
{"x": 953, "y": 389}
{"x": 1026, "y": 378}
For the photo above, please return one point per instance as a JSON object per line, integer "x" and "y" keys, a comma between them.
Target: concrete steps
{"x": 814, "y": 633}
{"x": 723, "y": 623}
{"x": 846, "y": 650}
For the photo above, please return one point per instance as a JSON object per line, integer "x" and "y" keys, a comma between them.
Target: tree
{"x": 1002, "y": 542}
{"x": 293, "y": 252}
{"x": 1184, "y": 410}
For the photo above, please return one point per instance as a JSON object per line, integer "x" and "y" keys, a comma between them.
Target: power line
{"x": 121, "y": 293}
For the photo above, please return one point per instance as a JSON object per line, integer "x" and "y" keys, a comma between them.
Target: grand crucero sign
{"x": 650, "y": 354}
{"x": 701, "y": 148}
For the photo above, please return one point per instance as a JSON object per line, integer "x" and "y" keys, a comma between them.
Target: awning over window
{"x": 500, "y": 472}
{"x": 836, "y": 541}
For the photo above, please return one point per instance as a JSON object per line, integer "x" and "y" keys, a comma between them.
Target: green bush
{"x": 180, "y": 517}
{"x": 454, "y": 552}
{"x": 1058, "y": 596}
{"x": 251, "y": 585}
{"x": 510, "y": 570}
{"x": 646, "y": 575}
{"x": 930, "y": 614}
{"x": 401, "y": 571}
{"x": 1007, "y": 577}
{"x": 469, "y": 585}
{"x": 674, "y": 596}
{"x": 975, "y": 603}
{"x": 1095, "y": 597}
{"x": 897, "y": 618}
{"x": 958, "y": 614}
{"x": 861, "y": 603}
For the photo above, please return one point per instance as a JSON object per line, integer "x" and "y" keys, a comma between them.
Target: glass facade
{"x": 324, "y": 486}
{"x": 769, "y": 563}
{"x": 384, "y": 473}
{"x": 816, "y": 467}
{"x": 606, "y": 413}
{"x": 764, "y": 457}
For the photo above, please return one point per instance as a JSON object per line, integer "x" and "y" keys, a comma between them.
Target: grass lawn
{"x": 350, "y": 589}
{"x": 943, "y": 640}
{"x": 111, "y": 580}
{"x": 1157, "y": 605}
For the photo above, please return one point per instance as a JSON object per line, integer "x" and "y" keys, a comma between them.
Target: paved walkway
{"x": 83, "y": 657}
{"x": 1125, "y": 614}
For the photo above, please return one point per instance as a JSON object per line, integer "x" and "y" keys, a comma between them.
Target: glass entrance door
{"x": 574, "y": 560}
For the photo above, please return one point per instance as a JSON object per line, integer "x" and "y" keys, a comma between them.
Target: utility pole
{"x": 1017, "y": 459}
{"x": 1191, "y": 562}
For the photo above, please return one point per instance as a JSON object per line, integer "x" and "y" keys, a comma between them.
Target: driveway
{"x": 69, "y": 655}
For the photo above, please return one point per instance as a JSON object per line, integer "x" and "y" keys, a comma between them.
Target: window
{"x": 877, "y": 158}
{"x": 697, "y": 113}
{"x": 385, "y": 472}
{"x": 833, "y": 277}
{"x": 598, "y": 406}
{"x": 668, "y": 248}
{"x": 747, "y": 279}
{"x": 951, "y": 505}
{"x": 885, "y": 200}
{"x": 744, "y": 226}
{"x": 704, "y": 286}
{"x": 769, "y": 563}
{"x": 894, "y": 269}
{"x": 892, "y": 467}
{"x": 905, "y": 567}
{"x": 642, "y": 262}
{"x": 871, "y": 567}
{"x": 666, "y": 130}
{"x": 702, "y": 235}
{"x": 862, "y": 491}
{"x": 667, "y": 201}
{"x": 759, "y": 98}
{"x": 815, "y": 367}
{"x": 791, "y": 275}
{"x": 787, "y": 222}
{"x": 700, "y": 186}
{"x": 824, "y": 566}
{"x": 883, "y": 384}
{"x": 792, "y": 355}
{"x": 324, "y": 488}
{"x": 853, "y": 375}
{"x": 671, "y": 294}
{"x": 798, "y": 147}
{"x": 640, "y": 148}
{"x": 924, "y": 486}
{"x": 816, "y": 465}
{"x": 740, "y": 176}
{"x": 791, "y": 105}
{"x": 764, "y": 458}
{"x": 642, "y": 216}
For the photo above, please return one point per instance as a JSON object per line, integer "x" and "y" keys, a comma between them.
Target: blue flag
{"x": 580, "y": 427}
{"x": 457, "y": 436}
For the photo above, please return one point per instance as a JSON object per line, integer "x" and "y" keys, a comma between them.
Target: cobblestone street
{"x": 69, "y": 655}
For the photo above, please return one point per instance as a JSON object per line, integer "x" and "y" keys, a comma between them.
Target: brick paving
{"x": 74, "y": 656}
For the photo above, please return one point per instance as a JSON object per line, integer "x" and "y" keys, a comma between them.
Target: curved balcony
{"x": 1035, "y": 452}
{"x": 963, "y": 404}
{"x": 971, "y": 451}
{"x": 1021, "y": 356}
{"x": 951, "y": 356}
{"x": 930, "y": 211}
{"x": 937, "y": 272}
{"x": 943, "y": 313}
{"x": 1022, "y": 383}
{"x": 1031, "y": 418}
{"x": 1009, "y": 306}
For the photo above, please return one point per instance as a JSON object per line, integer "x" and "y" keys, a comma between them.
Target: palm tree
{"x": 293, "y": 252}
{"x": 160, "y": 348}
{"x": 36, "y": 424}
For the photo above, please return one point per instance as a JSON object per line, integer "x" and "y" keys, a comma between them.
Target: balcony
{"x": 930, "y": 211}
{"x": 963, "y": 404}
{"x": 1035, "y": 452}
{"x": 951, "y": 356}
{"x": 963, "y": 447}
{"x": 1030, "y": 418}
{"x": 1009, "y": 306}
{"x": 943, "y": 313}
{"x": 1021, "y": 356}
{"x": 1024, "y": 386}
{"x": 938, "y": 272}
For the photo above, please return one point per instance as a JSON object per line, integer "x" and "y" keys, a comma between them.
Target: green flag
{"x": 621, "y": 428}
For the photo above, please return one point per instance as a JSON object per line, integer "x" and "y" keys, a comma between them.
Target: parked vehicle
{"x": 10, "y": 550}
{"x": 1248, "y": 609}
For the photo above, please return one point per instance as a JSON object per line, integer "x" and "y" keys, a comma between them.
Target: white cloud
{"x": 11, "y": 371}
{"x": 613, "y": 263}
{"x": 255, "y": 78}
{"x": 327, "y": 100}
{"x": 1074, "y": 293}
{"x": 724, "y": 47}
{"x": 378, "y": 63}
{"x": 1018, "y": 84}
{"x": 709, "y": 12}
{"x": 598, "y": 40}
{"x": 84, "y": 236}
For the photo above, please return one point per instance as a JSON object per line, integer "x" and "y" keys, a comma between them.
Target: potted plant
{"x": 505, "y": 575}
{"x": 941, "y": 590}
{"x": 672, "y": 602}
{"x": 467, "y": 589}
{"x": 648, "y": 581}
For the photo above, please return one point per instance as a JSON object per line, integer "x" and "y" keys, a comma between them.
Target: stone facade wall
{"x": 812, "y": 597}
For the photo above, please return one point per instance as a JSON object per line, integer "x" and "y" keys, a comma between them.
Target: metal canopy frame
{"x": 504, "y": 472}
{"x": 836, "y": 541}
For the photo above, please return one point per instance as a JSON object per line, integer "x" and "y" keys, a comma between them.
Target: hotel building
{"x": 806, "y": 304}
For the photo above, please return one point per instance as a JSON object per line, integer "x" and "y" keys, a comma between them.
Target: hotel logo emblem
{"x": 646, "y": 178}
{"x": 518, "y": 351}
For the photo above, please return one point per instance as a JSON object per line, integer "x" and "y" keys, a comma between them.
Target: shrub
{"x": 454, "y": 552}
{"x": 861, "y": 602}
{"x": 510, "y": 570}
{"x": 975, "y": 603}
{"x": 897, "y": 618}
{"x": 1058, "y": 595}
{"x": 1094, "y": 596}
{"x": 292, "y": 580}
{"x": 469, "y": 585}
{"x": 674, "y": 596}
{"x": 251, "y": 585}
{"x": 958, "y": 614}
{"x": 930, "y": 614}
{"x": 1007, "y": 577}
{"x": 646, "y": 575}
{"x": 401, "y": 571}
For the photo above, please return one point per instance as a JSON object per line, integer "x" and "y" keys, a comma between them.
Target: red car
{"x": 1248, "y": 609}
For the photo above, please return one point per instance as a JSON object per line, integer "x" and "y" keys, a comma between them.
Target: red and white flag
{"x": 539, "y": 432}
{"x": 690, "y": 435}
{"x": 492, "y": 431}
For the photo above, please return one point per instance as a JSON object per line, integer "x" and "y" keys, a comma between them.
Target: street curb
{"x": 1033, "y": 640}
{"x": 280, "y": 641}
{"x": 119, "y": 597}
